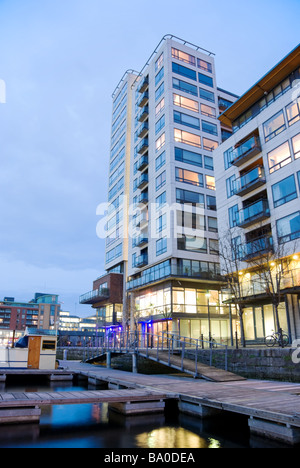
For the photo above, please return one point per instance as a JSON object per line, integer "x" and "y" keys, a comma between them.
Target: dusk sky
{"x": 60, "y": 61}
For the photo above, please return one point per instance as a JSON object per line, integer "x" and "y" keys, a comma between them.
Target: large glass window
{"x": 210, "y": 145}
{"x": 183, "y": 56}
{"x": 189, "y": 177}
{"x": 186, "y": 196}
{"x": 288, "y": 228}
{"x": 160, "y": 161}
{"x": 204, "y": 79}
{"x": 185, "y": 119}
{"x": 209, "y": 128}
{"x": 233, "y": 213}
{"x": 274, "y": 126}
{"x": 185, "y": 87}
{"x": 159, "y": 125}
{"x": 161, "y": 246}
{"x": 296, "y": 145}
{"x": 186, "y": 103}
{"x": 208, "y": 110}
{"x": 207, "y": 95}
{"x": 284, "y": 191}
{"x": 160, "y": 180}
{"x": 211, "y": 203}
{"x": 184, "y": 71}
{"x": 188, "y": 157}
{"x": 192, "y": 243}
{"x": 159, "y": 76}
{"x": 160, "y": 90}
{"x": 279, "y": 157}
{"x": 293, "y": 112}
{"x": 207, "y": 66}
{"x": 160, "y": 142}
{"x": 187, "y": 138}
{"x": 160, "y": 106}
{"x": 228, "y": 157}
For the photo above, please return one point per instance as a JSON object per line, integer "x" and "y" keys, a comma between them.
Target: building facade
{"x": 258, "y": 189}
{"x": 162, "y": 231}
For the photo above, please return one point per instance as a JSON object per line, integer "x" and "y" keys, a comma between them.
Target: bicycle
{"x": 279, "y": 338}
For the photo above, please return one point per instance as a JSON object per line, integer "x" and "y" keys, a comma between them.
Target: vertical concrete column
{"x": 134, "y": 363}
{"x": 108, "y": 360}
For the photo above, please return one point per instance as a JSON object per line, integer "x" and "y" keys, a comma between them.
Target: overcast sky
{"x": 60, "y": 61}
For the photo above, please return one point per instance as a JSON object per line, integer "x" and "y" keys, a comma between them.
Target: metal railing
{"x": 150, "y": 345}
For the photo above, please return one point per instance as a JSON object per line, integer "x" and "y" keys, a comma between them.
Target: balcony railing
{"x": 250, "y": 181}
{"x": 142, "y": 221}
{"x": 143, "y": 99}
{"x": 143, "y": 114}
{"x": 141, "y": 241}
{"x": 247, "y": 150}
{"x": 142, "y": 163}
{"x": 143, "y": 130}
{"x": 143, "y": 84}
{"x": 258, "y": 248}
{"x": 142, "y": 181}
{"x": 143, "y": 146}
{"x": 141, "y": 261}
{"x": 143, "y": 198}
{"x": 254, "y": 213}
{"x": 97, "y": 295}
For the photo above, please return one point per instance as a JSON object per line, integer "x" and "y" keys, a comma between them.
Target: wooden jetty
{"x": 272, "y": 408}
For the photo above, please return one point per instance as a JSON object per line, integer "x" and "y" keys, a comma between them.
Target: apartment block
{"x": 257, "y": 172}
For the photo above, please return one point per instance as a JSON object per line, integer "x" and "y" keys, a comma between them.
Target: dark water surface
{"x": 95, "y": 426}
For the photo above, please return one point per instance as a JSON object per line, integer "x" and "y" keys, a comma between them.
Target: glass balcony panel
{"x": 143, "y": 99}
{"x": 247, "y": 150}
{"x": 143, "y": 114}
{"x": 249, "y": 181}
{"x": 142, "y": 163}
{"x": 143, "y": 130}
{"x": 143, "y": 146}
{"x": 254, "y": 213}
{"x": 258, "y": 247}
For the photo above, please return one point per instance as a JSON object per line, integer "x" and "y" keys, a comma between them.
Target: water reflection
{"x": 170, "y": 437}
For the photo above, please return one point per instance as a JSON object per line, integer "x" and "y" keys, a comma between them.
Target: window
{"x": 274, "y": 126}
{"x": 211, "y": 203}
{"x": 114, "y": 253}
{"x": 159, "y": 62}
{"x": 296, "y": 146}
{"x": 160, "y": 106}
{"x": 210, "y": 182}
{"x": 189, "y": 177}
{"x": 160, "y": 142}
{"x": 192, "y": 244}
{"x": 204, "y": 65}
{"x": 185, "y": 87}
{"x": 209, "y": 145}
{"x": 298, "y": 175}
{"x": 161, "y": 223}
{"x": 209, "y": 128}
{"x": 190, "y": 220}
{"x": 279, "y": 157}
{"x": 161, "y": 246}
{"x": 161, "y": 200}
{"x": 293, "y": 112}
{"x": 183, "y": 56}
{"x": 208, "y": 110}
{"x": 288, "y": 228}
{"x": 284, "y": 191}
{"x": 233, "y": 213}
{"x": 212, "y": 224}
{"x": 160, "y": 180}
{"x": 207, "y": 95}
{"x": 159, "y": 125}
{"x": 185, "y": 119}
{"x": 187, "y": 138}
{"x": 188, "y": 157}
{"x": 228, "y": 157}
{"x": 208, "y": 163}
{"x": 159, "y": 76}
{"x": 230, "y": 186}
{"x": 184, "y": 71}
{"x": 160, "y": 161}
{"x": 185, "y": 196}
{"x": 159, "y": 91}
{"x": 214, "y": 246}
{"x": 186, "y": 103}
{"x": 204, "y": 79}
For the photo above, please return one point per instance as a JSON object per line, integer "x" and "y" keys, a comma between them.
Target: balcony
{"x": 142, "y": 221}
{"x": 258, "y": 248}
{"x": 142, "y": 181}
{"x": 141, "y": 241}
{"x": 254, "y": 213}
{"x": 143, "y": 114}
{"x": 247, "y": 150}
{"x": 143, "y": 199}
{"x": 141, "y": 261}
{"x": 250, "y": 181}
{"x": 143, "y": 99}
{"x": 143, "y": 146}
{"x": 142, "y": 163}
{"x": 92, "y": 297}
{"x": 144, "y": 83}
{"x": 143, "y": 130}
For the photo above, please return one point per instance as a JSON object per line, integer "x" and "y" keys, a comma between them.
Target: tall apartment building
{"x": 258, "y": 188}
{"x": 162, "y": 231}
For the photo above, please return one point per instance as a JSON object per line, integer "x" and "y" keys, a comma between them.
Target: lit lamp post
{"x": 208, "y": 311}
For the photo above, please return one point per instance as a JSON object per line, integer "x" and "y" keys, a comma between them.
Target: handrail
{"x": 142, "y": 343}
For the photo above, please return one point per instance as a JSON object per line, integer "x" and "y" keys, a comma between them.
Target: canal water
{"x": 95, "y": 426}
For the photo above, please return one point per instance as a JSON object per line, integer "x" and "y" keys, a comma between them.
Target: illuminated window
{"x": 183, "y": 56}
{"x": 160, "y": 106}
{"x": 189, "y": 177}
{"x": 210, "y": 182}
{"x": 187, "y": 138}
{"x": 160, "y": 142}
{"x": 208, "y": 110}
{"x": 207, "y": 66}
{"x": 274, "y": 126}
{"x": 279, "y": 157}
{"x": 296, "y": 145}
{"x": 182, "y": 101}
{"x": 159, "y": 62}
{"x": 210, "y": 145}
